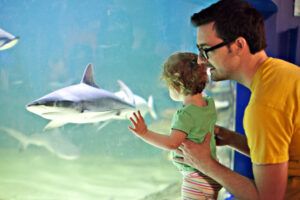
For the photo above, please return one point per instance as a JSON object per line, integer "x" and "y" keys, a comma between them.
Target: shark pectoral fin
{"x": 8, "y": 44}
{"x": 54, "y": 124}
{"x": 103, "y": 125}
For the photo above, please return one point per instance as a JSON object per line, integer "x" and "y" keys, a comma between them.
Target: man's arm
{"x": 233, "y": 139}
{"x": 199, "y": 157}
{"x": 270, "y": 180}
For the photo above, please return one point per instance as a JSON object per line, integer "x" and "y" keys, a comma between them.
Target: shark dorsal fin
{"x": 88, "y": 76}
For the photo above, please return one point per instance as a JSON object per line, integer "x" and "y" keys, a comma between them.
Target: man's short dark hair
{"x": 235, "y": 18}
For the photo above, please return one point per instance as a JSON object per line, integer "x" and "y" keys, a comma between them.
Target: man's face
{"x": 219, "y": 60}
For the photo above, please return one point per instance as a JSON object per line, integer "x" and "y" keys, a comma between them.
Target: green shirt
{"x": 196, "y": 122}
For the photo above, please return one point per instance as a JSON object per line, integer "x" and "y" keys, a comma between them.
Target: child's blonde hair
{"x": 182, "y": 71}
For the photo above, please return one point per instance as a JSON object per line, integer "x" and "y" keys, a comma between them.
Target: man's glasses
{"x": 203, "y": 52}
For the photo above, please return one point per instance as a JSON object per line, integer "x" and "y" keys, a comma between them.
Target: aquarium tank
{"x": 46, "y": 45}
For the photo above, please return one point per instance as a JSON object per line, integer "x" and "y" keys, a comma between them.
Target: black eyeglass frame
{"x": 203, "y": 51}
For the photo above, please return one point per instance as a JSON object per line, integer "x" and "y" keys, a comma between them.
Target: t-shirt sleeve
{"x": 182, "y": 121}
{"x": 269, "y": 134}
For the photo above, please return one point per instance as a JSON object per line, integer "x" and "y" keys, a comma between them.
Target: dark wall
{"x": 283, "y": 34}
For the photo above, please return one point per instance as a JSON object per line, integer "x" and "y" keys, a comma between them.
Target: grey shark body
{"x": 81, "y": 103}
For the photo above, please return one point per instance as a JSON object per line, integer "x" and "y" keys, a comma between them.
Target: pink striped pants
{"x": 197, "y": 186}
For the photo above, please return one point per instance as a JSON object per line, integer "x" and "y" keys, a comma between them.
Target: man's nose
{"x": 201, "y": 61}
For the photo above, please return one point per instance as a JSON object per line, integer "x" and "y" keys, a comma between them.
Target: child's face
{"x": 174, "y": 94}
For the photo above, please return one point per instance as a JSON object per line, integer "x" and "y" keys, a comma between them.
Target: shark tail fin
{"x": 54, "y": 124}
{"x": 151, "y": 107}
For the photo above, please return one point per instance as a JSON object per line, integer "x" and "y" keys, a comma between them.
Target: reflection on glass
{"x": 224, "y": 94}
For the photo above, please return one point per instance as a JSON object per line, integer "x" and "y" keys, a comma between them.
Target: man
{"x": 231, "y": 42}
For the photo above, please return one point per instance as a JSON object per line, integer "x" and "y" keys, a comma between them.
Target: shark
{"x": 81, "y": 103}
{"x": 139, "y": 102}
{"x": 87, "y": 103}
{"x": 54, "y": 143}
{"x": 7, "y": 40}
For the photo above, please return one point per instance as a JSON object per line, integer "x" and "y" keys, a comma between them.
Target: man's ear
{"x": 241, "y": 44}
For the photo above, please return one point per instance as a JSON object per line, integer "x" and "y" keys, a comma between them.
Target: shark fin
{"x": 151, "y": 107}
{"x": 54, "y": 124}
{"x": 9, "y": 43}
{"x": 103, "y": 125}
{"x": 127, "y": 92}
{"x": 88, "y": 76}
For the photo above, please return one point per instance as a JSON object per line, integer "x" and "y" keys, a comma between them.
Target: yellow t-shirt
{"x": 272, "y": 117}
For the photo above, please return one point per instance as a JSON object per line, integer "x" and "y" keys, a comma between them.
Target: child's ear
{"x": 176, "y": 88}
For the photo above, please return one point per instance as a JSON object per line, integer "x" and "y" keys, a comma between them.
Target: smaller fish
{"x": 7, "y": 40}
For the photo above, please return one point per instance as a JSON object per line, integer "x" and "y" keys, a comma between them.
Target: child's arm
{"x": 170, "y": 142}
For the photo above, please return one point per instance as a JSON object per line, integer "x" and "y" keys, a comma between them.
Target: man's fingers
{"x": 179, "y": 152}
{"x": 216, "y": 129}
{"x": 180, "y": 160}
{"x": 186, "y": 143}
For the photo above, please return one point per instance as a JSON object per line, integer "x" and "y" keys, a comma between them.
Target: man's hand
{"x": 222, "y": 135}
{"x": 194, "y": 154}
{"x": 233, "y": 139}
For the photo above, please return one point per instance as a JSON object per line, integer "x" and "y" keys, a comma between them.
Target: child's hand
{"x": 140, "y": 128}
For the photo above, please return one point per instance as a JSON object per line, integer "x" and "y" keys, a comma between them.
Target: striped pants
{"x": 197, "y": 186}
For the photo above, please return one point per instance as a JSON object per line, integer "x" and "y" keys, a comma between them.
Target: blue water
{"x": 124, "y": 40}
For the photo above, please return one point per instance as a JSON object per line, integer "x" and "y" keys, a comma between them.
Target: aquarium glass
{"x": 123, "y": 40}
